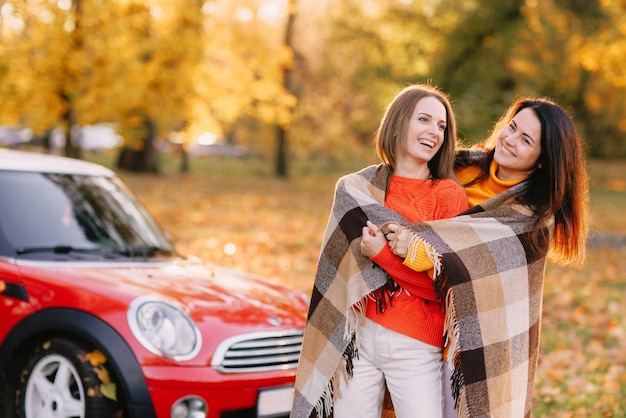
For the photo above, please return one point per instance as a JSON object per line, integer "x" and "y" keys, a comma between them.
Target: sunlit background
{"x": 301, "y": 79}
{"x": 278, "y": 83}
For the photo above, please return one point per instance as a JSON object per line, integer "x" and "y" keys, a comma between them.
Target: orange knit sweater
{"x": 415, "y": 310}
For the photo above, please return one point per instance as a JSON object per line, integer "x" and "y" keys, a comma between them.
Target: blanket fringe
{"x": 431, "y": 252}
{"x": 462, "y": 409}
{"x": 355, "y": 318}
{"x": 383, "y": 296}
{"x": 324, "y": 406}
{"x": 351, "y": 351}
{"x": 453, "y": 357}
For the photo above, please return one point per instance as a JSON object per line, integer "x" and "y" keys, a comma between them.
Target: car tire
{"x": 64, "y": 378}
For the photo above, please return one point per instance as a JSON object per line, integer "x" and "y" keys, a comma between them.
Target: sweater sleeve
{"x": 417, "y": 259}
{"x": 416, "y": 283}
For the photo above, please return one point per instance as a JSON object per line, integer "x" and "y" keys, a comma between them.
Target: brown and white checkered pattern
{"x": 493, "y": 283}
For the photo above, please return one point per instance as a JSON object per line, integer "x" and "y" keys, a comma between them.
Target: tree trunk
{"x": 281, "y": 151}
{"x": 71, "y": 149}
{"x": 184, "y": 159}
{"x": 281, "y": 127}
{"x": 141, "y": 160}
{"x": 68, "y": 119}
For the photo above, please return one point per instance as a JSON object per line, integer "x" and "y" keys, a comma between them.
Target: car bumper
{"x": 223, "y": 393}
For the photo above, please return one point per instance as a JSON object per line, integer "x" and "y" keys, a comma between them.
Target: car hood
{"x": 207, "y": 292}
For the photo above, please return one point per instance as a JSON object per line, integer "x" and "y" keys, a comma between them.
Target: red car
{"x": 99, "y": 317}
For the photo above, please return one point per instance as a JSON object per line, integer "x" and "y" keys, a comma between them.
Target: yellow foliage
{"x": 96, "y": 358}
{"x": 103, "y": 375}
{"x": 159, "y": 57}
{"x": 215, "y": 65}
{"x": 109, "y": 390}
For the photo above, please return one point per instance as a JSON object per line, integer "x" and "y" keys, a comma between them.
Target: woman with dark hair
{"x": 557, "y": 183}
{"x": 528, "y": 188}
{"x": 365, "y": 331}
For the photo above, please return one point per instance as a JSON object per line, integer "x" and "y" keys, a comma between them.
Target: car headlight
{"x": 163, "y": 328}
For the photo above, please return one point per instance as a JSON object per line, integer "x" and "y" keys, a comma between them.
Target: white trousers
{"x": 448, "y": 399}
{"x": 412, "y": 370}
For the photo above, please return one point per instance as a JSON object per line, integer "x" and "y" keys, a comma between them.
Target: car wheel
{"x": 65, "y": 379}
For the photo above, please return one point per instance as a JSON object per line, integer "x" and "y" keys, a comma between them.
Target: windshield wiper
{"x": 130, "y": 251}
{"x": 145, "y": 251}
{"x": 57, "y": 249}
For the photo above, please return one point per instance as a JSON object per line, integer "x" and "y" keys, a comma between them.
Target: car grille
{"x": 260, "y": 351}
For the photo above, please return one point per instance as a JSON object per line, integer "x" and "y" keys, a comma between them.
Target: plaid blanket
{"x": 492, "y": 280}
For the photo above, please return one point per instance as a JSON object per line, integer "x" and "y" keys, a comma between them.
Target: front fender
{"x": 97, "y": 332}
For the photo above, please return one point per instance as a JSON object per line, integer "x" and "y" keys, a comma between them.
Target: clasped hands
{"x": 390, "y": 233}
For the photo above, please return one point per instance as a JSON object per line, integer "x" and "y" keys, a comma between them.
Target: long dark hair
{"x": 559, "y": 186}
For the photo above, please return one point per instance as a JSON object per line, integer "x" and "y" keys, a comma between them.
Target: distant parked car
{"x": 99, "y": 317}
{"x": 96, "y": 137}
{"x": 99, "y": 137}
{"x": 217, "y": 150}
{"x": 12, "y": 136}
{"x": 210, "y": 144}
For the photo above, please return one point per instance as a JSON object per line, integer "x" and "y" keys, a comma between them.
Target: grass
{"x": 582, "y": 367}
{"x": 238, "y": 214}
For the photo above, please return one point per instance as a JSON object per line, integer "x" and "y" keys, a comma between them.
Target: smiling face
{"x": 425, "y": 136}
{"x": 518, "y": 146}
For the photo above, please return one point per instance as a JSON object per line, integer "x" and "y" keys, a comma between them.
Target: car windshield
{"x": 44, "y": 216}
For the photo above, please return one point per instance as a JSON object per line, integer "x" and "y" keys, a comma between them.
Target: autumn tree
{"x": 39, "y": 69}
{"x": 240, "y": 94}
{"x": 483, "y": 53}
{"x": 153, "y": 51}
{"x": 163, "y": 67}
{"x": 344, "y": 79}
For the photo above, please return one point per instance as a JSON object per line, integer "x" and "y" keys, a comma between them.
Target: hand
{"x": 373, "y": 240}
{"x": 398, "y": 237}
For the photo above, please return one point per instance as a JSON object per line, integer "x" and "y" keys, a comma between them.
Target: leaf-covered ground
{"x": 250, "y": 220}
